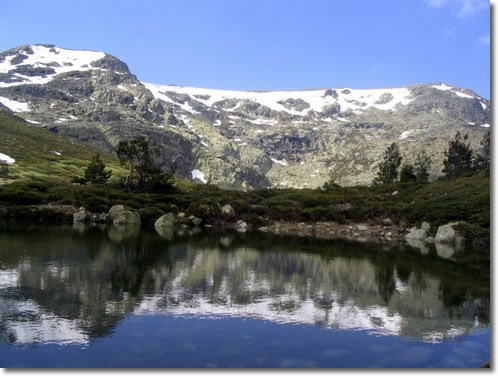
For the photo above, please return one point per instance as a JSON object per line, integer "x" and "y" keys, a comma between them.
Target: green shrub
{"x": 150, "y": 215}
{"x": 475, "y": 236}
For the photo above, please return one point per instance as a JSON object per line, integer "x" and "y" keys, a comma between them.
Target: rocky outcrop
{"x": 119, "y": 215}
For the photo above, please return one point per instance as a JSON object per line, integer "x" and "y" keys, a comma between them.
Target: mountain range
{"x": 237, "y": 139}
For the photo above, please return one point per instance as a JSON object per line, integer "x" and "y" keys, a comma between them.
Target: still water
{"x": 113, "y": 297}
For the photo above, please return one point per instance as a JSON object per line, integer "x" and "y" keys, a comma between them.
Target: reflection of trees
{"x": 384, "y": 277}
{"x": 94, "y": 278}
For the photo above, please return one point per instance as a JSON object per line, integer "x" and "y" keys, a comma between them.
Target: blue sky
{"x": 265, "y": 44}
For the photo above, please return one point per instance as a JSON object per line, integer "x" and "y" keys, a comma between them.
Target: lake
{"x": 117, "y": 297}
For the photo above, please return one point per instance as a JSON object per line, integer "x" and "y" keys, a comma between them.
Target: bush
{"x": 476, "y": 237}
{"x": 407, "y": 174}
{"x": 150, "y": 215}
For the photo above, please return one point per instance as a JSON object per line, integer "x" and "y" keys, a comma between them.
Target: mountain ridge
{"x": 237, "y": 139}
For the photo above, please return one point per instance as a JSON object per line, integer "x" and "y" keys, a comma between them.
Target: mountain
{"x": 237, "y": 139}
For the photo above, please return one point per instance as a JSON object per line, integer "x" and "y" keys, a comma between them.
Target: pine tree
{"x": 330, "y": 185}
{"x": 407, "y": 173}
{"x": 388, "y": 168}
{"x": 422, "y": 165}
{"x": 458, "y": 161}
{"x": 139, "y": 155}
{"x": 483, "y": 159}
{"x": 96, "y": 173}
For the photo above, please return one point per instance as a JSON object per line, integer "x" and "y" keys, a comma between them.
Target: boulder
{"x": 121, "y": 216}
{"x": 103, "y": 217}
{"x": 114, "y": 210}
{"x": 361, "y": 227}
{"x": 426, "y": 226}
{"x": 126, "y": 217}
{"x": 416, "y": 234}
{"x": 387, "y": 221}
{"x": 81, "y": 216}
{"x": 448, "y": 234}
{"x": 430, "y": 239}
{"x": 227, "y": 210}
{"x": 394, "y": 193}
{"x": 196, "y": 221}
{"x": 165, "y": 221}
{"x": 241, "y": 226}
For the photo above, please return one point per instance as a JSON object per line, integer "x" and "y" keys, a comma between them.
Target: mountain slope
{"x": 37, "y": 153}
{"x": 237, "y": 139}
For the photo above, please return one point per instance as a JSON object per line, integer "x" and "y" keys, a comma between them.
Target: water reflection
{"x": 72, "y": 285}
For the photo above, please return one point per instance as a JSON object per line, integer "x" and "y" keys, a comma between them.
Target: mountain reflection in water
{"x": 64, "y": 285}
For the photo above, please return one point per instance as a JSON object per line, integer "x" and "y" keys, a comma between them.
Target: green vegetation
{"x": 422, "y": 165}
{"x": 388, "y": 168}
{"x": 407, "y": 173}
{"x": 138, "y": 156}
{"x": 459, "y": 158}
{"x": 482, "y": 160}
{"x": 96, "y": 173}
{"x": 440, "y": 202}
{"x": 42, "y": 155}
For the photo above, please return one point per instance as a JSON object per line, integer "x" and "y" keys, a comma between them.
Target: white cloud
{"x": 465, "y": 7}
{"x": 484, "y": 40}
{"x": 469, "y": 7}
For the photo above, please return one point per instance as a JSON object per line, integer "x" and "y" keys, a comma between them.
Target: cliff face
{"x": 237, "y": 139}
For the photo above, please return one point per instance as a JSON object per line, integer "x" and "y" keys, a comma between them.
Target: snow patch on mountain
{"x": 6, "y": 159}
{"x": 283, "y": 162}
{"x": 455, "y": 91}
{"x": 356, "y": 100}
{"x": 32, "y": 121}
{"x": 59, "y": 59}
{"x": 443, "y": 87}
{"x": 199, "y": 175}
{"x": 405, "y": 134}
{"x": 463, "y": 95}
{"x": 14, "y": 105}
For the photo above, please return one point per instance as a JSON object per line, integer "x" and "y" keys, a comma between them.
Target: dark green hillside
{"x": 35, "y": 151}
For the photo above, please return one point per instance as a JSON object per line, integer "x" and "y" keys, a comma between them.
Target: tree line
{"x": 139, "y": 157}
{"x": 460, "y": 160}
